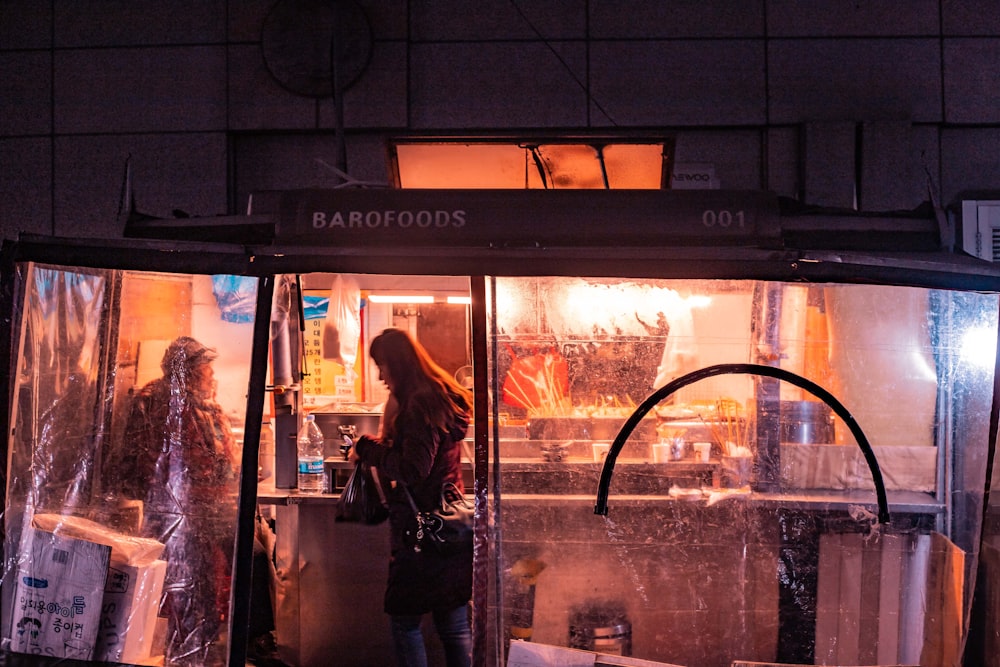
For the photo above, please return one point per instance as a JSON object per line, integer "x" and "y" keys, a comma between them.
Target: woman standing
{"x": 420, "y": 447}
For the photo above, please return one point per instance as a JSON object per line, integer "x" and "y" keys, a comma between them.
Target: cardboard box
{"x": 57, "y": 597}
{"x": 529, "y": 654}
{"x": 895, "y": 600}
{"x": 128, "y": 614}
{"x": 134, "y": 586}
{"x": 124, "y": 548}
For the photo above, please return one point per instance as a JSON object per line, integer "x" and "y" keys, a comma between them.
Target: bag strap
{"x": 456, "y": 496}
{"x": 406, "y": 490}
{"x": 378, "y": 486}
{"x": 445, "y": 487}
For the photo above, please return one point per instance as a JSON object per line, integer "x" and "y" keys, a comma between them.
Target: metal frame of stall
{"x": 634, "y": 234}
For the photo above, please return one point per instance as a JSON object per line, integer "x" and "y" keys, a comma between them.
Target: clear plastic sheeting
{"x": 124, "y": 459}
{"x": 983, "y": 646}
{"x": 771, "y": 550}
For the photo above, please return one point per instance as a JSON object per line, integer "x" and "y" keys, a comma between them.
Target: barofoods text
{"x": 383, "y": 219}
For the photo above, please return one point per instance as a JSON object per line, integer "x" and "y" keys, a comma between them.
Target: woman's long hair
{"x": 418, "y": 381}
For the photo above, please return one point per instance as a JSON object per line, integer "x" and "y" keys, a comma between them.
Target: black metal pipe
{"x": 246, "y": 517}
{"x": 604, "y": 485}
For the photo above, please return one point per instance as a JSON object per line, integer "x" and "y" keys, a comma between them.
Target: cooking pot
{"x": 600, "y": 627}
{"x": 806, "y": 423}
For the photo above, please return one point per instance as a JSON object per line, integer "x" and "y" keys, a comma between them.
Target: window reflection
{"x": 720, "y": 546}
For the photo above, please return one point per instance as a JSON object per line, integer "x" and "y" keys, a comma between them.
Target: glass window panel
{"x": 531, "y": 165}
{"x": 731, "y": 559}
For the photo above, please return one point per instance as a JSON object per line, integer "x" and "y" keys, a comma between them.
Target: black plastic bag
{"x": 363, "y": 499}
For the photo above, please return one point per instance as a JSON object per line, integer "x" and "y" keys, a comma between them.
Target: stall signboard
{"x": 527, "y": 218}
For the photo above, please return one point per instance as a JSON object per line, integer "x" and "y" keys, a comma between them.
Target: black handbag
{"x": 448, "y": 528}
{"x": 363, "y": 499}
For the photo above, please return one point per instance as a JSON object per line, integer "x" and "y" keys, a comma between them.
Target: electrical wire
{"x": 565, "y": 65}
{"x": 539, "y": 165}
{"x": 604, "y": 166}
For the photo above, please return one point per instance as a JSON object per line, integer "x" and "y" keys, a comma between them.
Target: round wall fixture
{"x": 302, "y": 40}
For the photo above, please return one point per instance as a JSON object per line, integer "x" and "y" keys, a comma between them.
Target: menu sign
{"x": 323, "y": 380}
{"x": 527, "y": 218}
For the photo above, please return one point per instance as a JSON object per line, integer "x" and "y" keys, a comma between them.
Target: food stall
{"x": 708, "y": 429}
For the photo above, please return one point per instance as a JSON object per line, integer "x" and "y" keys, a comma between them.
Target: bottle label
{"x": 311, "y": 466}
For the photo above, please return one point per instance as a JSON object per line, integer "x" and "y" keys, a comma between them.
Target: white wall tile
{"x": 828, "y": 159}
{"x": 25, "y": 24}
{"x": 782, "y": 155}
{"x": 735, "y": 154}
{"x": 26, "y": 186}
{"x": 972, "y": 80}
{"x": 970, "y": 17}
{"x": 927, "y": 154}
{"x": 890, "y": 174}
{"x": 685, "y": 82}
{"x": 140, "y": 90}
{"x": 804, "y": 18}
{"x": 182, "y": 171}
{"x": 496, "y": 84}
{"x": 641, "y": 19}
{"x": 387, "y": 17}
{"x": 452, "y": 20}
{"x": 25, "y": 93}
{"x": 257, "y": 100}
{"x": 289, "y": 161}
{"x": 969, "y": 156}
{"x": 246, "y": 18}
{"x": 135, "y": 22}
{"x": 862, "y": 79}
{"x": 378, "y": 98}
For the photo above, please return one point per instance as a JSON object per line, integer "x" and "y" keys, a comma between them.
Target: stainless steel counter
{"x": 331, "y": 575}
{"x": 330, "y": 579}
{"x": 900, "y": 502}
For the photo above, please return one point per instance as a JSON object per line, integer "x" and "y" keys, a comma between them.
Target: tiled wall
{"x": 777, "y": 94}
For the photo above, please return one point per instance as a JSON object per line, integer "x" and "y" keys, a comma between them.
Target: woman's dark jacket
{"x": 420, "y": 456}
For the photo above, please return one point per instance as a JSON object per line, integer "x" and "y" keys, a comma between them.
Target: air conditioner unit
{"x": 981, "y": 228}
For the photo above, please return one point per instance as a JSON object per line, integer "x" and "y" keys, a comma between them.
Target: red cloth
{"x": 536, "y": 381}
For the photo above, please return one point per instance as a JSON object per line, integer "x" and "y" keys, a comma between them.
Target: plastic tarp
{"x": 124, "y": 461}
{"x": 782, "y": 559}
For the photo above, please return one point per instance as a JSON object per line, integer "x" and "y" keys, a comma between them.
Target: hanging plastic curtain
{"x": 61, "y": 351}
{"x": 342, "y": 328}
{"x": 236, "y": 297}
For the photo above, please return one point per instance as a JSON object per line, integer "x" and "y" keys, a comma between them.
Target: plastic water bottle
{"x": 311, "y": 457}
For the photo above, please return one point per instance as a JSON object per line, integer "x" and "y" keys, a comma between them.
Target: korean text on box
{"x": 57, "y": 600}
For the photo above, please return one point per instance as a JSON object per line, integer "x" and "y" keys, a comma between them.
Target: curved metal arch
{"x": 601, "y": 507}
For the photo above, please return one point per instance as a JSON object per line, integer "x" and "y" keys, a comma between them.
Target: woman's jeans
{"x": 452, "y": 627}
